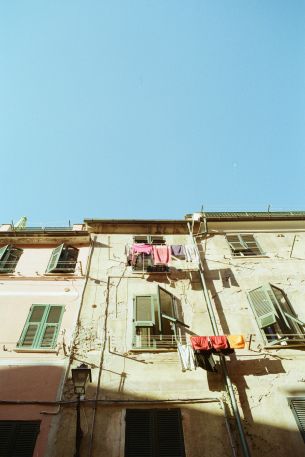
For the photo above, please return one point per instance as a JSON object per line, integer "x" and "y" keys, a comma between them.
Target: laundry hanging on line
{"x": 161, "y": 254}
{"x": 236, "y": 341}
{"x": 205, "y": 360}
{"x": 186, "y": 357}
{"x": 178, "y": 250}
{"x": 191, "y": 253}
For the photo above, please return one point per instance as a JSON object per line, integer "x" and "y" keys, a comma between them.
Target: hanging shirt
{"x": 186, "y": 357}
{"x": 191, "y": 253}
{"x": 139, "y": 248}
{"x": 236, "y": 341}
{"x": 178, "y": 250}
{"x": 161, "y": 254}
{"x": 200, "y": 343}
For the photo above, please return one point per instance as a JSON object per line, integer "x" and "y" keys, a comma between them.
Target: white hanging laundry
{"x": 191, "y": 253}
{"x": 186, "y": 357}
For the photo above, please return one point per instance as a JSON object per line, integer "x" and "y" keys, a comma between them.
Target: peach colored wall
{"x": 35, "y": 258}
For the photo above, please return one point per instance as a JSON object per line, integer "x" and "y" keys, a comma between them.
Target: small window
{"x": 275, "y": 317}
{"x": 41, "y": 328}
{"x": 297, "y": 405}
{"x": 244, "y": 245}
{"x": 9, "y": 256}
{"x": 154, "y": 433}
{"x": 63, "y": 259}
{"x": 18, "y": 438}
{"x": 155, "y": 319}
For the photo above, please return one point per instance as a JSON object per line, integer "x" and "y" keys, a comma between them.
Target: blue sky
{"x": 150, "y": 109}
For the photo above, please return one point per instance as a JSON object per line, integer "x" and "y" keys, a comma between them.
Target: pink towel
{"x": 161, "y": 254}
{"x": 139, "y": 248}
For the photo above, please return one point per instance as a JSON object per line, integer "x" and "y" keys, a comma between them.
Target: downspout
{"x": 241, "y": 432}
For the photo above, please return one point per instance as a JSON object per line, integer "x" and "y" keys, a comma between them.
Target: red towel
{"x": 219, "y": 342}
{"x": 161, "y": 254}
{"x": 200, "y": 343}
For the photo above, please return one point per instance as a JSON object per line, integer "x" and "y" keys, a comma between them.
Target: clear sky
{"x": 150, "y": 109}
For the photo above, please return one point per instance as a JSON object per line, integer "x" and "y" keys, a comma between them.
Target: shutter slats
{"x": 262, "y": 307}
{"x": 297, "y": 406}
{"x": 154, "y": 433}
{"x": 18, "y": 438}
{"x": 144, "y": 310}
{"x": 56, "y": 253}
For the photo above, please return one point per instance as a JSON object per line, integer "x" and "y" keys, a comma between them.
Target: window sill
{"x": 40, "y": 351}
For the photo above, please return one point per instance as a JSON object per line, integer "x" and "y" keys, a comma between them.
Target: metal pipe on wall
{"x": 241, "y": 432}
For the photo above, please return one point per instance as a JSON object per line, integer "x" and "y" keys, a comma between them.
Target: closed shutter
{"x": 297, "y": 405}
{"x": 50, "y": 327}
{"x": 144, "y": 314}
{"x": 30, "y": 334}
{"x": 262, "y": 307}
{"x": 55, "y": 258}
{"x": 138, "y": 433}
{"x": 18, "y": 438}
{"x": 154, "y": 433}
{"x": 168, "y": 433}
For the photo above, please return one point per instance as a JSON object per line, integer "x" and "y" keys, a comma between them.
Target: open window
{"x": 63, "y": 259}
{"x": 155, "y": 320}
{"x": 143, "y": 262}
{"x": 244, "y": 245}
{"x": 9, "y": 256}
{"x": 275, "y": 317}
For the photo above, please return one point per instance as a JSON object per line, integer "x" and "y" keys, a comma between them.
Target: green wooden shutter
{"x": 138, "y": 433}
{"x": 50, "y": 328}
{"x": 30, "y": 335}
{"x": 262, "y": 307}
{"x": 168, "y": 433}
{"x": 251, "y": 243}
{"x": 3, "y": 251}
{"x": 236, "y": 243}
{"x": 18, "y": 438}
{"x": 55, "y": 258}
{"x": 144, "y": 314}
{"x": 297, "y": 405}
{"x": 154, "y": 433}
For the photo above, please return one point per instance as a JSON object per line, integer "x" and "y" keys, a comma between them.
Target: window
{"x": 155, "y": 320}
{"x": 297, "y": 405}
{"x": 154, "y": 433}
{"x": 41, "y": 328}
{"x": 18, "y": 438}
{"x": 244, "y": 245}
{"x": 9, "y": 256}
{"x": 144, "y": 262}
{"x": 63, "y": 259}
{"x": 275, "y": 316}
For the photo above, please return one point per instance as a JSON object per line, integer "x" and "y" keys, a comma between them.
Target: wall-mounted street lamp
{"x": 80, "y": 377}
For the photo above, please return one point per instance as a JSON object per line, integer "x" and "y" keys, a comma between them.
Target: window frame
{"x": 18, "y": 436}
{"x": 41, "y": 329}
{"x": 153, "y": 432}
{"x": 245, "y": 250}
{"x": 60, "y": 254}
{"x": 270, "y": 312}
{"x": 155, "y": 324}
{"x": 145, "y": 261}
{"x": 6, "y": 253}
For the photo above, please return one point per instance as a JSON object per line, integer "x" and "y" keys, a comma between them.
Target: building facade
{"x": 150, "y": 288}
{"x": 42, "y": 277}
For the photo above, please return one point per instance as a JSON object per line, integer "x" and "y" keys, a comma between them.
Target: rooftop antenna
{"x": 269, "y": 206}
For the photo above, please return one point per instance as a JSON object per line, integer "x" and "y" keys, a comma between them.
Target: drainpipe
{"x": 241, "y": 432}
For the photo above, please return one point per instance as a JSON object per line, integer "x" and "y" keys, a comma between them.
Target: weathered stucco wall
{"x": 262, "y": 377}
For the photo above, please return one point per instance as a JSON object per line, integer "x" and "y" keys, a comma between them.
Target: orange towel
{"x": 236, "y": 341}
